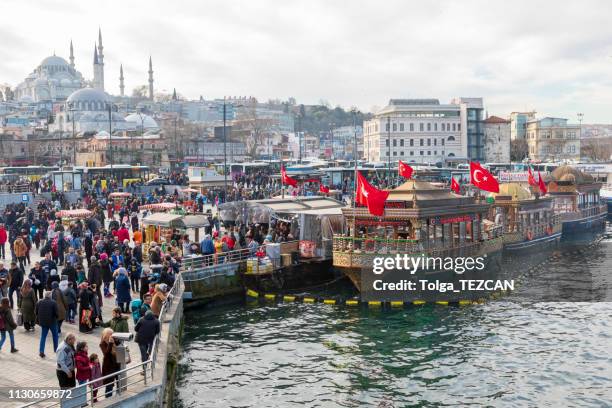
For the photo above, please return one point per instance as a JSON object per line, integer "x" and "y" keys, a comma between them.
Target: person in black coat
{"x": 70, "y": 271}
{"x": 146, "y": 329}
{"x": 86, "y": 298}
{"x": 88, "y": 244}
{"x": 16, "y": 274}
{"x": 46, "y": 317}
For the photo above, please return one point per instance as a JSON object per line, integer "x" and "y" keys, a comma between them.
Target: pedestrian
{"x": 109, "y": 361}
{"x": 158, "y": 299}
{"x": 5, "y": 278}
{"x": 37, "y": 276}
{"x": 118, "y": 322}
{"x": 27, "y": 305}
{"x": 65, "y": 362}
{"x": 86, "y": 299}
{"x": 146, "y": 329}
{"x": 7, "y": 324}
{"x": 122, "y": 289}
{"x": 144, "y": 283}
{"x": 96, "y": 372}
{"x": 3, "y": 239}
{"x": 135, "y": 271}
{"x": 16, "y": 280}
{"x": 81, "y": 359}
{"x": 19, "y": 249}
{"x": 46, "y": 314}
{"x": 62, "y": 307}
{"x": 71, "y": 301}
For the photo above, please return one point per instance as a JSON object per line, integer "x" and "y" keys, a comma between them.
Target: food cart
{"x": 119, "y": 199}
{"x": 67, "y": 216}
{"x": 160, "y": 227}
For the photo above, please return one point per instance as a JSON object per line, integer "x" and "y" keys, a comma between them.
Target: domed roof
{"x": 89, "y": 95}
{"x": 570, "y": 174}
{"x": 53, "y": 60}
{"x": 140, "y": 119}
{"x": 514, "y": 190}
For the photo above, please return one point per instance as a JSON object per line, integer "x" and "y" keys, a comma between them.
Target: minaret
{"x": 71, "y": 55}
{"x": 121, "y": 85}
{"x": 96, "y": 65}
{"x": 150, "y": 79}
{"x": 101, "y": 58}
{"x": 174, "y": 95}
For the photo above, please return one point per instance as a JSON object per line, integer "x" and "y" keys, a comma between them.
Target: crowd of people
{"x": 83, "y": 264}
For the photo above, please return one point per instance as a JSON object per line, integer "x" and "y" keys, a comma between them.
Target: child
{"x": 96, "y": 372}
{"x": 81, "y": 359}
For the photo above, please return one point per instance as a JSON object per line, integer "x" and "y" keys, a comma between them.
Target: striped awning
{"x": 159, "y": 206}
{"x": 79, "y": 213}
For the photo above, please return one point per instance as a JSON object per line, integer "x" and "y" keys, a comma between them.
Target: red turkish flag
{"x": 542, "y": 184}
{"x": 323, "y": 189}
{"x": 404, "y": 170}
{"x": 370, "y": 196}
{"x": 530, "y": 178}
{"x": 285, "y": 179}
{"x": 455, "y": 186}
{"x": 482, "y": 178}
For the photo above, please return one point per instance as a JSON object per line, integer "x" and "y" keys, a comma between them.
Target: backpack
{"x": 135, "y": 306}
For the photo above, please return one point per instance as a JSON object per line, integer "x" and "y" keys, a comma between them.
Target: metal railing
{"x": 138, "y": 373}
{"x": 580, "y": 213}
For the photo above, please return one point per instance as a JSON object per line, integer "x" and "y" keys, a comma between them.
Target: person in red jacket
{"x": 123, "y": 234}
{"x": 3, "y": 239}
{"x": 81, "y": 360}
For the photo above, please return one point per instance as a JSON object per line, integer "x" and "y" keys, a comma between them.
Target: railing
{"x": 538, "y": 229}
{"x": 15, "y": 188}
{"x": 581, "y": 213}
{"x": 143, "y": 372}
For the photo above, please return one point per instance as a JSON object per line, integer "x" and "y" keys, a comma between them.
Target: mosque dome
{"x": 514, "y": 190}
{"x": 140, "y": 119}
{"x": 53, "y": 61}
{"x": 88, "y": 99}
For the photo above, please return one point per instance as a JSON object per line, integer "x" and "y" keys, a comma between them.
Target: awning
{"x": 163, "y": 220}
{"x": 189, "y": 190}
{"x": 159, "y": 206}
{"x": 79, "y": 213}
{"x": 119, "y": 194}
{"x": 194, "y": 221}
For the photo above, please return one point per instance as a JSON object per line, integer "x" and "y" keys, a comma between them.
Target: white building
{"x": 415, "y": 131}
{"x": 553, "y": 139}
{"x": 496, "y": 140}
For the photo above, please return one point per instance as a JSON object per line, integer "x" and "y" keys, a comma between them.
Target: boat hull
{"x": 292, "y": 278}
{"x": 590, "y": 224}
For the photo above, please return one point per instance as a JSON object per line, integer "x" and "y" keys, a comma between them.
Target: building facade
{"x": 553, "y": 139}
{"x": 496, "y": 140}
{"x": 416, "y": 131}
{"x": 518, "y": 124}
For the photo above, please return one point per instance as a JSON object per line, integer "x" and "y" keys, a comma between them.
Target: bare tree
{"x": 254, "y": 129}
{"x": 141, "y": 91}
{"x": 597, "y": 149}
{"x": 519, "y": 149}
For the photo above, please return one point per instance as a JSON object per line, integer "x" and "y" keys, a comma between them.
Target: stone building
{"x": 496, "y": 140}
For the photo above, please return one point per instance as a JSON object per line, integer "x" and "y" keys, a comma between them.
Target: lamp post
{"x": 109, "y": 106}
{"x": 224, "y": 152}
{"x": 355, "y": 157}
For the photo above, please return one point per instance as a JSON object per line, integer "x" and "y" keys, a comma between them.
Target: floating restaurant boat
{"x": 577, "y": 201}
{"x": 419, "y": 220}
{"x": 528, "y": 221}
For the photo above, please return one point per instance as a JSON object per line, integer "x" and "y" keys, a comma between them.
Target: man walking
{"x": 146, "y": 329}
{"x": 47, "y": 314}
{"x": 65, "y": 362}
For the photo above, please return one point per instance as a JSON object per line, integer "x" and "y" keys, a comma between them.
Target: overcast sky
{"x": 551, "y": 56}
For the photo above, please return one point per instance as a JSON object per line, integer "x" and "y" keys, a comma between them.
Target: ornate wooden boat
{"x": 577, "y": 201}
{"x": 528, "y": 219}
{"x": 420, "y": 220}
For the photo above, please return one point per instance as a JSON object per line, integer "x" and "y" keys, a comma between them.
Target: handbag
{"x": 19, "y": 318}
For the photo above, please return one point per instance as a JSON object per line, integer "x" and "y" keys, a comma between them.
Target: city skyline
{"x": 511, "y": 55}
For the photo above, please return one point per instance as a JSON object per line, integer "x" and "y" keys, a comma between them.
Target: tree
{"x": 519, "y": 149}
{"x": 596, "y": 149}
{"x": 141, "y": 91}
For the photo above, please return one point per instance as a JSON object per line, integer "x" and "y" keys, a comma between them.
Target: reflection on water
{"x": 511, "y": 352}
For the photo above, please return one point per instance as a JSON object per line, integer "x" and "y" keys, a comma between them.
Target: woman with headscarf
{"x": 85, "y": 306}
{"x": 27, "y": 305}
{"x": 122, "y": 287}
{"x": 109, "y": 361}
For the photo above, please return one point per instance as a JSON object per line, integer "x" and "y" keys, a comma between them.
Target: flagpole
{"x": 282, "y": 181}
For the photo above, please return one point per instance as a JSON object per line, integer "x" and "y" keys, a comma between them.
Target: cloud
{"x": 545, "y": 56}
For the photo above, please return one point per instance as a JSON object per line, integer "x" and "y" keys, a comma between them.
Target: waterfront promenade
{"x": 25, "y": 369}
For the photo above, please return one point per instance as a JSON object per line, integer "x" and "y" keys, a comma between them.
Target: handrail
{"x": 144, "y": 369}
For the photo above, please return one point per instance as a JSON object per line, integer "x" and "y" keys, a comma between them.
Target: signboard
{"x": 395, "y": 204}
{"x": 25, "y": 198}
{"x": 505, "y": 176}
{"x": 449, "y": 220}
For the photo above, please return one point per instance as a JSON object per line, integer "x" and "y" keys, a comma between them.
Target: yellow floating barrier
{"x": 252, "y": 293}
{"x": 418, "y": 302}
{"x": 397, "y": 303}
{"x": 374, "y": 303}
{"x": 329, "y": 301}
{"x": 442, "y": 302}
{"x": 465, "y": 302}
{"x": 352, "y": 303}
{"x": 289, "y": 298}
{"x": 309, "y": 300}
{"x": 270, "y": 296}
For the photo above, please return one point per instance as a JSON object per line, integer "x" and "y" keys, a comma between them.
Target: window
{"x": 401, "y": 127}
{"x": 421, "y": 152}
{"x": 387, "y": 153}
{"x": 435, "y": 152}
{"x": 386, "y": 127}
{"x": 442, "y": 140}
{"x": 435, "y": 127}
{"x": 412, "y": 127}
{"x": 429, "y": 127}
{"x": 401, "y": 153}
{"x": 458, "y": 127}
{"x": 401, "y": 142}
{"x": 451, "y": 138}
{"x": 411, "y": 142}
{"x": 453, "y": 127}
{"x": 421, "y": 127}
{"x": 421, "y": 142}
{"x": 435, "y": 142}
{"x": 395, "y": 153}
{"x": 395, "y": 127}
{"x": 411, "y": 153}
{"x": 451, "y": 155}
{"x": 387, "y": 142}
{"x": 394, "y": 143}
{"x": 429, "y": 152}
{"x": 428, "y": 142}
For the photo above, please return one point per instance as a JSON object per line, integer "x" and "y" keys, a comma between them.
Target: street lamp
{"x": 109, "y": 106}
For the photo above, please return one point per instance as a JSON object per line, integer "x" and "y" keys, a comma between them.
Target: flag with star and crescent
{"x": 370, "y": 196}
{"x": 482, "y": 178}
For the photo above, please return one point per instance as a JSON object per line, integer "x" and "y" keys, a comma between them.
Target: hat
{"x": 103, "y": 256}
